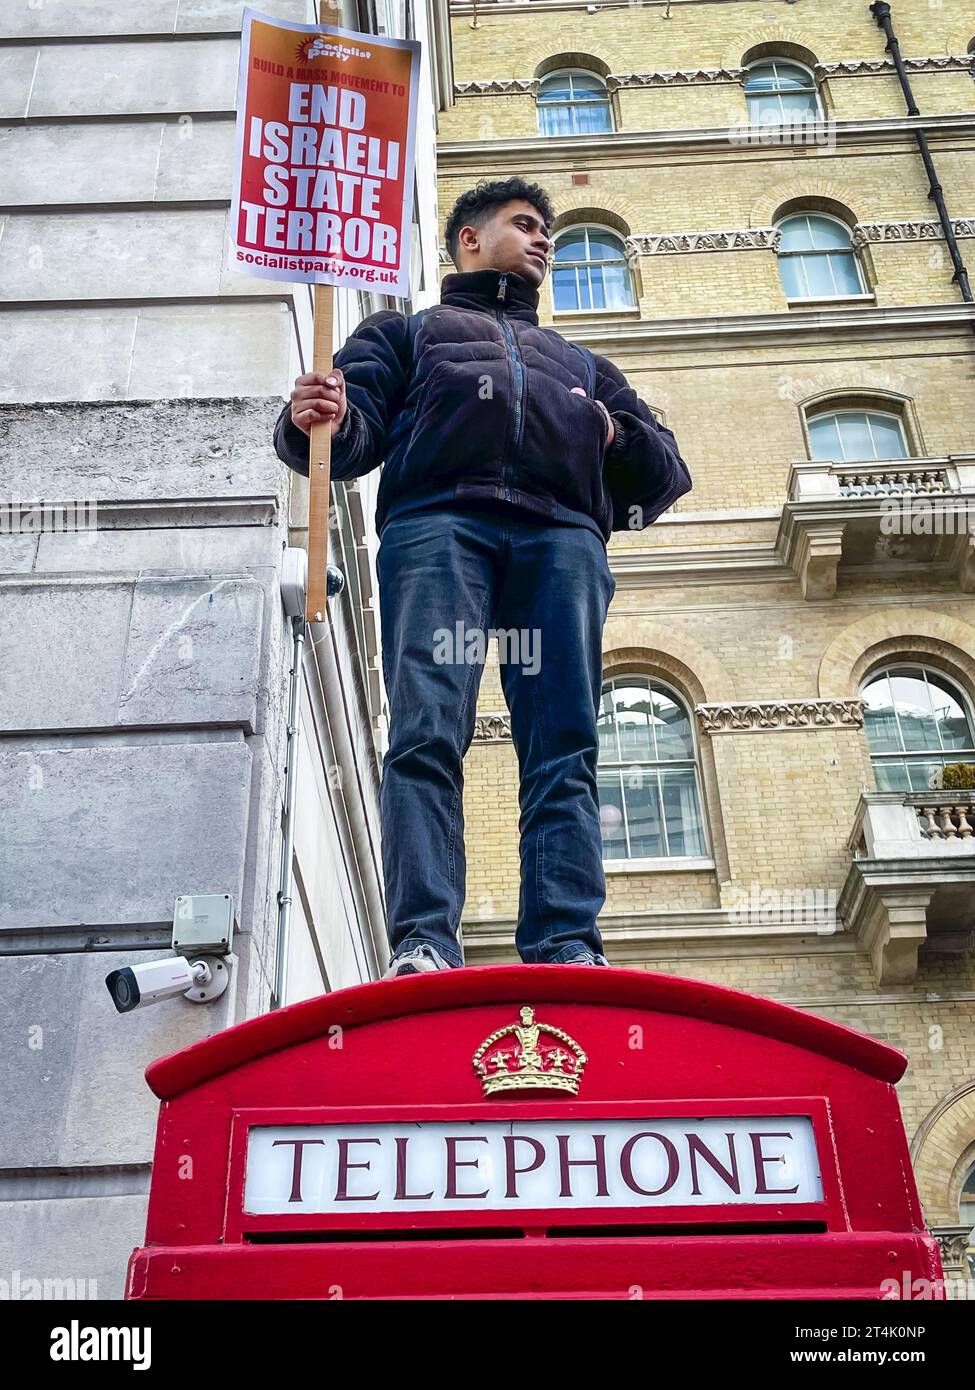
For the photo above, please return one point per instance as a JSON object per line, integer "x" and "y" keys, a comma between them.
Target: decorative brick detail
{"x": 678, "y": 78}
{"x": 881, "y": 67}
{"x": 910, "y": 231}
{"x": 682, "y": 77}
{"x": 746, "y": 717}
{"x": 740, "y": 239}
{"x": 492, "y": 728}
{"x": 497, "y": 86}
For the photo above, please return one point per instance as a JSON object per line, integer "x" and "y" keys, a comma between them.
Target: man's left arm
{"x": 642, "y": 467}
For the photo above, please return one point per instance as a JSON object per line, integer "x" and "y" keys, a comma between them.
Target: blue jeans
{"x": 551, "y": 585}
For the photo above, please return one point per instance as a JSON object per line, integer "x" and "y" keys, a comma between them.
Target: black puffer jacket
{"x": 487, "y": 413}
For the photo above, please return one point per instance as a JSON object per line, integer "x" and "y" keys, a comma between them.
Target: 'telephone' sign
{"x": 325, "y": 146}
{"x": 506, "y": 1164}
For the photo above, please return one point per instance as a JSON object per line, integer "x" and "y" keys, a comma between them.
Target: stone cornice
{"x": 630, "y": 935}
{"x": 682, "y": 77}
{"x": 826, "y": 323}
{"x": 615, "y": 148}
{"x": 685, "y": 566}
{"x": 763, "y": 716}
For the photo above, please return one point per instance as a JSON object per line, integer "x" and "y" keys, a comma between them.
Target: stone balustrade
{"x": 946, "y": 815}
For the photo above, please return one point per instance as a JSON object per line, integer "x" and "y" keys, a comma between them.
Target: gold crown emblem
{"x": 542, "y": 1058}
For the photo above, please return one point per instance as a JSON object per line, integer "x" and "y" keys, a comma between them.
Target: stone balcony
{"x": 911, "y": 884}
{"x": 879, "y": 517}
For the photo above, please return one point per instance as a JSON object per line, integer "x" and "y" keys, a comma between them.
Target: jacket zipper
{"x": 519, "y": 376}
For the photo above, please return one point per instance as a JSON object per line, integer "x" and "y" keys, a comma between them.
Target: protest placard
{"x": 323, "y": 186}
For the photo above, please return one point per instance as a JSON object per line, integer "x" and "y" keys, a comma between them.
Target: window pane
{"x": 950, "y": 717}
{"x": 789, "y": 77}
{"x": 611, "y": 815}
{"x": 571, "y": 247}
{"x": 633, "y": 723}
{"x": 918, "y": 727}
{"x": 827, "y": 234}
{"x": 845, "y": 278}
{"x": 555, "y": 120}
{"x": 857, "y": 441}
{"x": 603, "y": 246}
{"x": 824, "y": 437}
{"x": 764, "y": 110}
{"x": 594, "y": 274}
{"x": 795, "y": 234}
{"x": 564, "y": 291}
{"x": 761, "y": 79}
{"x": 799, "y": 106}
{"x": 616, "y": 282}
{"x": 606, "y": 729}
{"x": 592, "y": 119}
{"x": 793, "y": 280}
{"x": 586, "y": 87}
{"x": 818, "y": 276}
{"x": 683, "y": 816}
{"x": 672, "y": 727}
{"x": 920, "y": 774}
{"x": 891, "y": 776}
{"x": 555, "y": 88}
{"x": 880, "y": 721}
{"x": 966, "y": 1202}
{"x": 643, "y": 816}
{"x": 888, "y": 437}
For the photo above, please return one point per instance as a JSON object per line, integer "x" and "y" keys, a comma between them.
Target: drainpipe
{"x": 288, "y": 840}
{"x": 881, "y": 13}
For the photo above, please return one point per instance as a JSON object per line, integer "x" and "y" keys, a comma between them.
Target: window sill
{"x": 632, "y": 312}
{"x": 833, "y": 299}
{"x": 657, "y": 866}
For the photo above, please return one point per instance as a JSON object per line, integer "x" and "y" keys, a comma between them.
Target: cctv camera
{"x": 198, "y": 981}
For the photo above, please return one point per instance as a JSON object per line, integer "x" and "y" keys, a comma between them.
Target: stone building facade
{"x": 146, "y": 659}
{"x": 744, "y": 227}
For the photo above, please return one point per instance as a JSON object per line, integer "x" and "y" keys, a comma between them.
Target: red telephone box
{"x": 519, "y": 1131}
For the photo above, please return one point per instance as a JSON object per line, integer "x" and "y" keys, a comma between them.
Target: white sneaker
{"x": 416, "y": 961}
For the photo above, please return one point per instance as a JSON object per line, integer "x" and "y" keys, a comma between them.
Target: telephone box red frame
{"x": 406, "y": 1053}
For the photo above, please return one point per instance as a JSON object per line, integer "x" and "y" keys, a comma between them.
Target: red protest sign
{"x": 323, "y": 181}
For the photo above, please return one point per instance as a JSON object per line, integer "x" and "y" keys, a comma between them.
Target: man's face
{"x": 514, "y": 239}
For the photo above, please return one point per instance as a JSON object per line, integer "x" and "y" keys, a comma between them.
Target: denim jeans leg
{"x": 436, "y": 570}
{"x": 557, "y": 592}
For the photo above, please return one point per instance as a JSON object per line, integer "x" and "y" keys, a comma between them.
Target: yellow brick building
{"x": 745, "y": 227}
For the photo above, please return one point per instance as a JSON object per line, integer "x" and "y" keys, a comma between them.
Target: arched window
{"x": 648, "y": 777}
{"x": 590, "y": 270}
{"x": 916, "y": 721}
{"x": 778, "y": 92}
{"x": 856, "y": 436}
{"x": 816, "y": 258}
{"x": 573, "y": 102}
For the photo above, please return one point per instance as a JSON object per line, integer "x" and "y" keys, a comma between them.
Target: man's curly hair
{"x": 478, "y": 205}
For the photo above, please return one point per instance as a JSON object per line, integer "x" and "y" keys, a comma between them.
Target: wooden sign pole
{"x": 320, "y": 442}
{"x": 319, "y": 466}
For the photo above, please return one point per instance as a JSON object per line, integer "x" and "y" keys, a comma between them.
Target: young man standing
{"x": 504, "y": 477}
